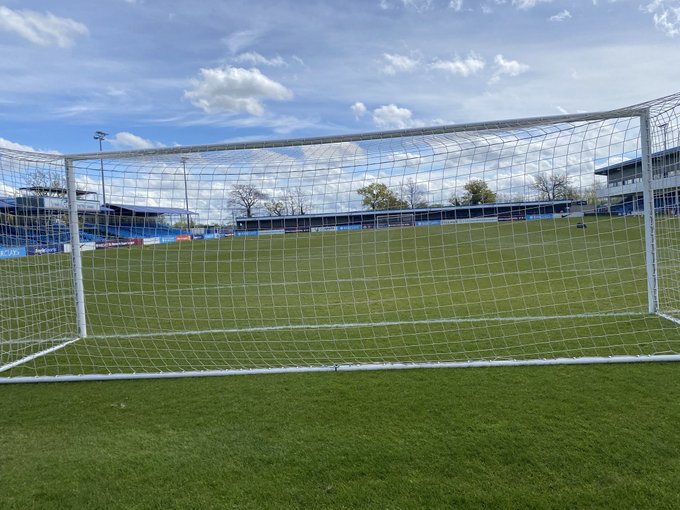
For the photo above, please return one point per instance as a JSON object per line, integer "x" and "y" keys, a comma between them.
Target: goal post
{"x": 74, "y": 241}
{"x": 531, "y": 241}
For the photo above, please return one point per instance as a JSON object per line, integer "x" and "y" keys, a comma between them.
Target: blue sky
{"x": 166, "y": 73}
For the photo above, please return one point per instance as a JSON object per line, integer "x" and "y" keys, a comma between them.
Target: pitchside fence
{"x": 534, "y": 241}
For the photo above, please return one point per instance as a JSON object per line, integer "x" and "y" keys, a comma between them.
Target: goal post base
{"x": 369, "y": 367}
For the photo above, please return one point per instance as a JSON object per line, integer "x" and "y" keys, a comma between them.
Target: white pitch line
{"x": 350, "y": 325}
{"x": 444, "y": 277}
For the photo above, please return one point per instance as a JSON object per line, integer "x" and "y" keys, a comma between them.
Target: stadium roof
{"x": 673, "y": 151}
{"x": 381, "y": 212}
{"x": 147, "y": 210}
{"x": 55, "y": 190}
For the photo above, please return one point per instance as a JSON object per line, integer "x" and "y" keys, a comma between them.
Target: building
{"x": 623, "y": 192}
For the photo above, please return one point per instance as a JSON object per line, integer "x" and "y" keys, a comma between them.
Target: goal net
{"x": 549, "y": 240}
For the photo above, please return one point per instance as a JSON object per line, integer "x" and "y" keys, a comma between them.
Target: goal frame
{"x": 651, "y": 265}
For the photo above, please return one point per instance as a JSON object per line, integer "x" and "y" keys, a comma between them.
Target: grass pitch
{"x": 531, "y": 437}
{"x": 495, "y": 291}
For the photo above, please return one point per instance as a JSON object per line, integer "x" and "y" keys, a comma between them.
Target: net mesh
{"x": 514, "y": 240}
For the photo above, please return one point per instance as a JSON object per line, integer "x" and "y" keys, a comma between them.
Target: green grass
{"x": 602, "y": 436}
{"x": 512, "y": 290}
{"x": 533, "y": 437}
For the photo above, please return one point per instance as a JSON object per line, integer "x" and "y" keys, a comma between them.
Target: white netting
{"x": 509, "y": 241}
{"x": 36, "y": 298}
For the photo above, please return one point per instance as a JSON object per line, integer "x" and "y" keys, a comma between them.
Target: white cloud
{"x": 398, "y": 63}
{"x": 505, "y": 67}
{"x": 233, "y": 90}
{"x": 43, "y": 29}
{"x": 561, "y": 16}
{"x": 416, "y": 5}
{"x": 393, "y": 117}
{"x": 468, "y": 66}
{"x": 528, "y": 4}
{"x": 126, "y": 140}
{"x": 7, "y": 144}
{"x": 456, "y": 5}
{"x": 254, "y": 58}
{"x": 666, "y": 15}
{"x": 238, "y": 40}
{"x": 359, "y": 109}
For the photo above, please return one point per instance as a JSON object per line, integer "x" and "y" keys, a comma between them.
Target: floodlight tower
{"x": 100, "y": 135}
{"x": 186, "y": 193}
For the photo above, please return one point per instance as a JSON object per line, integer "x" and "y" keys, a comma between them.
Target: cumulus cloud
{"x": 393, "y": 117}
{"x": 43, "y": 29}
{"x": 233, "y": 90}
{"x": 666, "y": 14}
{"x": 456, "y": 5}
{"x": 561, "y": 16}
{"x": 505, "y": 67}
{"x": 398, "y": 63}
{"x": 359, "y": 109}
{"x": 468, "y": 66}
{"x": 126, "y": 140}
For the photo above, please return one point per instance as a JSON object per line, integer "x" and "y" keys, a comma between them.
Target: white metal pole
{"x": 76, "y": 260}
{"x": 186, "y": 193}
{"x": 648, "y": 200}
{"x": 100, "y": 135}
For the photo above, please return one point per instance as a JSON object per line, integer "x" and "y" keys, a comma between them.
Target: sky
{"x": 168, "y": 73}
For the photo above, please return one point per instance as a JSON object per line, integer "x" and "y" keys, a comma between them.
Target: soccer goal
{"x": 533, "y": 241}
{"x": 400, "y": 219}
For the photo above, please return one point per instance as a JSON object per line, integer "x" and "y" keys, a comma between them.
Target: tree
{"x": 247, "y": 196}
{"x": 590, "y": 193}
{"x": 554, "y": 186}
{"x": 275, "y": 207}
{"x": 454, "y": 200}
{"x": 413, "y": 194}
{"x": 477, "y": 191}
{"x": 295, "y": 201}
{"x": 46, "y": 182}
{"x": 377, "y": 196}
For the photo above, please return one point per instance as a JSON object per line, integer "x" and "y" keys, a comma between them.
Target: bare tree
{"x": 553, "y": 186}
{"x": 590, "y": 193}
{"x": 46, "y": 182}
{"x": 413, "y": 194}
{"x": 296, "y": 201}
{"x": 247, "y": 196}
{"x": 275, "y": 207}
